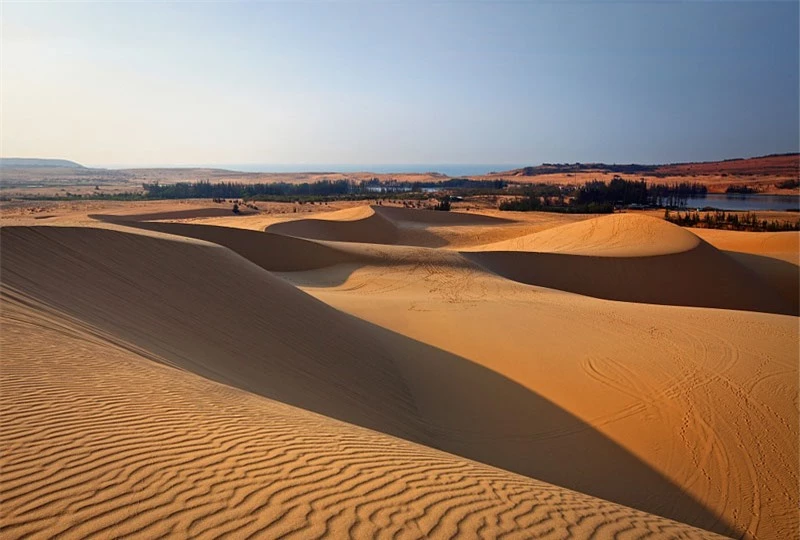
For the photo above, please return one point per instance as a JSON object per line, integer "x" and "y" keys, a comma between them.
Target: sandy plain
{"x": 171, "y": 369}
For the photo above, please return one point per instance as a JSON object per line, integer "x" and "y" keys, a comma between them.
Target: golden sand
{"x": 383, "y": 371}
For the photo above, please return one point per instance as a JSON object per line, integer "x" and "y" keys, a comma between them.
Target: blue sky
{"x": 400, "y": 82}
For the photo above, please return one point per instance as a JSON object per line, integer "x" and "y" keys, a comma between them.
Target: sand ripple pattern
{"x": 99, "y": 442}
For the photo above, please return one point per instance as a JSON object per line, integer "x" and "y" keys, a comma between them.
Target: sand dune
{"x": 98, "y": 441}
{"x": 236, "y": 324}
{"x": 716, "y": 281}
{"x": 387, "y": 225}
{"x": 616, "y": 235}
{"x": 634, "y": 258}
{"x": 163, "y": 381}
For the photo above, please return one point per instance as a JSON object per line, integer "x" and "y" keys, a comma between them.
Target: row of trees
{"x": 233, "y": 190}
{"x": 743, "y": 190}
{"x": 626, "y": 192}
{"x": 321, "y": 188}
{"x": 729, "y": 220}
{"x": 601, "y": 197}
{"x": 792, "y": 183}
{"x": 545, "y": 203}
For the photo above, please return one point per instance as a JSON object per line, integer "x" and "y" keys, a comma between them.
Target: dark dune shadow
{"x": 700, "y": 277}
{"x": 429, "y": 217}
{"x": 199, "y": 309}
{"x": 412, "y": 224}
{"x": 328, "y": 277}
{"x": 371, "y": 230}
{"x": 273, "y": 252}
{"x": 783, "y": 276}
{"x": 175, "y": 214}
{"x": 374, "y": 229}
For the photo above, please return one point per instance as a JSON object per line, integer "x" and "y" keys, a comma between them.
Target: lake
{"x": 745, "y": 202}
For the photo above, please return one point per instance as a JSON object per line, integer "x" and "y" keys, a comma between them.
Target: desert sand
{"x": 172, "y": 369}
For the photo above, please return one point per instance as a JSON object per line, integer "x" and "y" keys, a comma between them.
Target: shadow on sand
{"x": 700, "y": 277}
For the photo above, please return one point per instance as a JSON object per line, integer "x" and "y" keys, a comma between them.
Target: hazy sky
{"x": 401, "y": 82}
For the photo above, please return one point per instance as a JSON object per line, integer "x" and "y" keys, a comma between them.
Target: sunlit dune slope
{"x": 100, "y": 442}
{"x": 706, "y": 397}
{"x": 779, "y": 245}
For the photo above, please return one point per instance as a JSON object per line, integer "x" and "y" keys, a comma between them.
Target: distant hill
{"x": 31, "y": 163}
{"x": 774, "y": 164}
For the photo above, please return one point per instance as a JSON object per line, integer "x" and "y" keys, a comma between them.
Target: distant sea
{"x": 448, "y": 169}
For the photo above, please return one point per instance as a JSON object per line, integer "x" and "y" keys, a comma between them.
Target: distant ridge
{"x": 774, "y": 164}
{"x": 25, "y": 163}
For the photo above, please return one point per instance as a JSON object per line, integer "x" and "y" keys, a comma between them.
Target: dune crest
{"x": 615, "y": 235}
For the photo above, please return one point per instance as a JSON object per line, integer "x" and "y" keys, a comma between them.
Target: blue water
{"x": 448, "y": 169}
{"x": 745, "y": 202}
